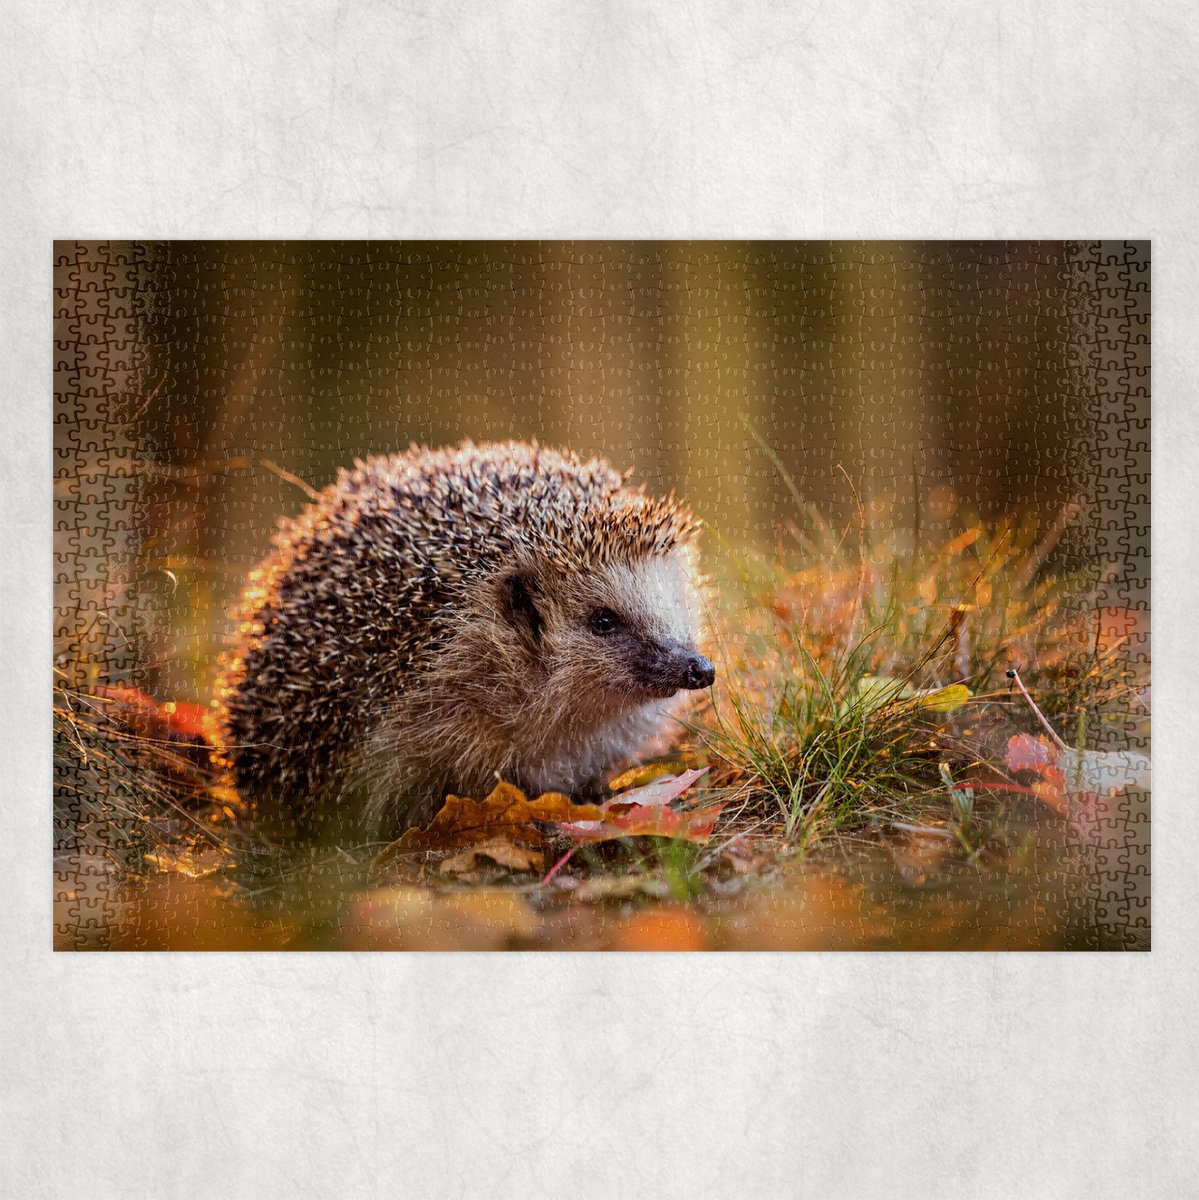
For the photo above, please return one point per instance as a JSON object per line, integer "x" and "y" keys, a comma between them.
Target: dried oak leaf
{"x": 500, "y": 851}
{"x": 600, "y": 888}
{"x": 507, "y": 814}
{"x": 743, "y": 859}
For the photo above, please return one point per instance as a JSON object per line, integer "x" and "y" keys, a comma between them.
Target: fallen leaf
{"x": 500, "y": 851}
{"x": 193, "y": 863}
{"x": 1028, "y": 753}
{"x": 1099, "y": 771}
{"x": 644, "y": 820}
{"x": 507, "y": 813}
{"x": 1074, "y": 782}
{"x": 636, "y": 776}
{"x": 172, "y": 720}
{"x": 875, "y": 691}
{"x": 944, "y": 699}
{"x": 602, "y": 888}
{"x": 644, "y": 812}
{"x": 661, "y": 791}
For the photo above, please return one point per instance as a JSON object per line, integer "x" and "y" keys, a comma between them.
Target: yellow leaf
{"x": 637, "y": 776}
{"x": 877, "y": 690}
{"x": 944, "y": 699}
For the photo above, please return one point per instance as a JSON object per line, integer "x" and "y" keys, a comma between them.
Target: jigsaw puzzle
{"x": 586, "y": 595}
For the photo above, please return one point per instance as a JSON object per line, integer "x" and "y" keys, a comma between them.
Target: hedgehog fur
{"x": 439, "y": 619}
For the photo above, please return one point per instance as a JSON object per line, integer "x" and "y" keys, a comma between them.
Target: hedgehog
{"x": 442, "y": 618}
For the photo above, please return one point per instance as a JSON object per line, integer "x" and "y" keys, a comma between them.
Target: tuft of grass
{"x": 824, "y": 750}
{"x": 122, "y": 788}
{"x": 829, "y": 652}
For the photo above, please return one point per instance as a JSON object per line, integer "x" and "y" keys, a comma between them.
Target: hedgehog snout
{"x": 700, "y": 673}
{"x": 674, "y": 667}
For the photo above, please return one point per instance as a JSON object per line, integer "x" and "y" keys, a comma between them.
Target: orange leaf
{"x": 643, "y": 812}
{"x": 644, "y": 820}
{"x": 506, "y": 813}
{"x": 172, "y": 720}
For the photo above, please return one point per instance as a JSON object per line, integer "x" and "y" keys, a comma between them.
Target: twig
{"x": 1014, "y": 674}
{"x": 777, "y": 462}
{"x": 149, "y": 399}
{"x": 1043, "y": 548}
{"x": 861, "y": 583}
{"x": 276, "y": 469}
{"x": 961, "y": 640}
{"x": 558, "y": 866}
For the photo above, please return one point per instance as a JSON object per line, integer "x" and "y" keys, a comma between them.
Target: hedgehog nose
{"x": 700, "y": 673}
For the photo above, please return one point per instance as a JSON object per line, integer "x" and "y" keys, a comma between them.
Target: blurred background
{"x": 200, "y": 386}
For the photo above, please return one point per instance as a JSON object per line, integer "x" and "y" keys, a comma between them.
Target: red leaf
{"x": 660, "y": 791}
{"x": 1028, "y": 753}
{"x": 172, "y": 720}
{"x": 644, "y": 821}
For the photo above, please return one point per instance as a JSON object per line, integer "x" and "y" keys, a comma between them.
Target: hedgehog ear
{"x": 520, "y": 593}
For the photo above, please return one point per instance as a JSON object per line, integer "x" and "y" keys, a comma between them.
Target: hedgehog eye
{"x": 603, "y": 621}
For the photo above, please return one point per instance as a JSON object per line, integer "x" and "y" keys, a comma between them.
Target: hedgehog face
{"x": 617, "y": 636}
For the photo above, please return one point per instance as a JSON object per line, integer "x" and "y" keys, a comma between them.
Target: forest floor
{"x": 927, "y": 740}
